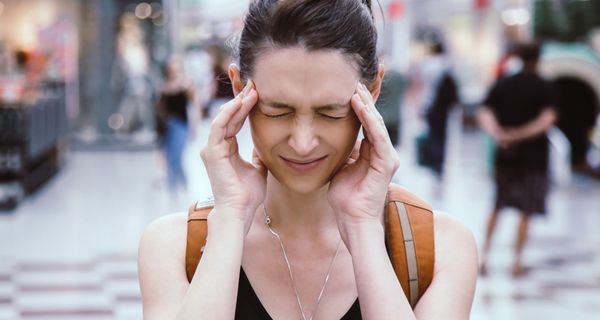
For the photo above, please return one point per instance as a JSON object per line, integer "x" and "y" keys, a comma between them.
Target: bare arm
{"x": 487, "y": 121}
{"x": 379, "y": 291}
{"x": 536, "y": 127}
{"x": 451, "y": 292}
{"x": 239, "y": 188}
{"x": 212, "y": 293}
{"x": 532, "y": 129}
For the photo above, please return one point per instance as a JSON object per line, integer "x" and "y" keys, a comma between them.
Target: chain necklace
{"x": 289, "y": 267}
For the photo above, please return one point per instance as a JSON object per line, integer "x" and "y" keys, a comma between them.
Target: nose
{"x": 303, "y": 138}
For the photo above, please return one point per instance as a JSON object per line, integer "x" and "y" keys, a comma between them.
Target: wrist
{"x": 228, "y": 222}
{"x": 363, "y": 235}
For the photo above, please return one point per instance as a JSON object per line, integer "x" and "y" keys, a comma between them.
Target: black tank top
{"x": 248, "y": 305}
{"x": 176, "y": 104}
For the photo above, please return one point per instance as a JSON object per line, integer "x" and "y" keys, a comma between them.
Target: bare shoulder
{"x": 163, "y": 240}
{"x": 167, "y": 230}
{"x": 455, "y": 272}
{"x": 161, "y": 260}
{"x": 455, "y": 246}
{"x": 449, "y": 232}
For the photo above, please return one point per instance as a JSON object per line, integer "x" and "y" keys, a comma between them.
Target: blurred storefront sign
{"x": 396, "y": 10}
{"x": 481, "y": 4}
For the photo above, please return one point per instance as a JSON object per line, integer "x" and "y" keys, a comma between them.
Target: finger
{"x": 249, "y": 98}
{"x": 365, "y": 150}
{"x": 219, "y": 125}
{"x": 363, "y": 161}
{"x": 367, "y": 100}
{"x": 373, "y": 124}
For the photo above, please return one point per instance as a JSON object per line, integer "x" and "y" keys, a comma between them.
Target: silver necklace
{"x": 289, "y": 267}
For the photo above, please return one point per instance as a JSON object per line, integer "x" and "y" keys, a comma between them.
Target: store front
{"x": 38, "y": 92}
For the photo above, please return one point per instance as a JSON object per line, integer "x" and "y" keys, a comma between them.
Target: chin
{"x": 302, "y": 185}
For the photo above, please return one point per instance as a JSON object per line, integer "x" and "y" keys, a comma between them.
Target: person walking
{"x": 176, "y": 95}
{"x": 440, "y": 93}
{"x": 517, "y": 113}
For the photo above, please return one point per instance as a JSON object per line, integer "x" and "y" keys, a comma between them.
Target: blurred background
{"x": 105, "y": 105}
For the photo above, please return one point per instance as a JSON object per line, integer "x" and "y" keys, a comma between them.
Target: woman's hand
{"x": 358, "y": 191}
{"x": 238, "y": 186}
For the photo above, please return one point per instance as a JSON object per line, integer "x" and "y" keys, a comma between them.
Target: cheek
{"x": 343, "y": 135}
{"x": 264, "y": 133}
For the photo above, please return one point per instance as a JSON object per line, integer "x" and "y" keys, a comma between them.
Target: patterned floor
{"x": 103, "y": 288}
{"x": 69, "y": 251}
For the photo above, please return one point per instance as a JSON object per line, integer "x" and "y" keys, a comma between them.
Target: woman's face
{"x": 303, "y": 125}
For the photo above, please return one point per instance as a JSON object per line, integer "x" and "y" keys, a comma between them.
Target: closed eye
{"x": 332, "y": 117}
{"x": 276, "y": 115}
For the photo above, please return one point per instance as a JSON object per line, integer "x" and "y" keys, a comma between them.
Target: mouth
{"x": 303, "y": 165}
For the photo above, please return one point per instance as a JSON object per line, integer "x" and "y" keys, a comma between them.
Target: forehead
{"x": 304, "y": 78}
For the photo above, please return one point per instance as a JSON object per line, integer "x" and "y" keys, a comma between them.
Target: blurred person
{"x": 299, "y": 231}
{"x": 517, "y": 113}
{"x": 389, "y": 103}
{"x": 221, "y": 85}
{"x": 176, "y": 95}
{"x": 439, "y": 94}
{"x": 132, "y": 82}
{"x": 509, "y": 63}
{"x": 578, "y": 106}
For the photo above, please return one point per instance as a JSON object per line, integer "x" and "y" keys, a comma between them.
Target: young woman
{"x": 298, "y": 233}
{"x": 172, "y": 121}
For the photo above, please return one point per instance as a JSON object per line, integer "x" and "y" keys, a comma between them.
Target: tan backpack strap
{"x": 197, "y": 231}
{"x": 409, "y": 235}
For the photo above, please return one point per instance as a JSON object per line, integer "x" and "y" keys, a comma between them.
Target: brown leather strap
{"x": 420, "y": 221}
{"x": 420, "y": 246}
{"x": 197, "y": 232}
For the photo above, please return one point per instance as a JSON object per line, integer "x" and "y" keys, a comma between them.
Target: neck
{"x": 299, "y": 214}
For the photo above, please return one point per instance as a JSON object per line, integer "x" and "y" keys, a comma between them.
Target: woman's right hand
{"x": 238, "y": 186}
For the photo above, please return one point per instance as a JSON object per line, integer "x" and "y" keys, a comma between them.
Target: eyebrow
{"x": 281, "y": 105}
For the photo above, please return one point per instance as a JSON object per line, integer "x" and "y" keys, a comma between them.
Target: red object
{"x": 396, "y": 9}
{"x": 481, "y": 4}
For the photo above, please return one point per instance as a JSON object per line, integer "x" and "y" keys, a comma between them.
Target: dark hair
{"x": 344, "y": 25}
{"x": 528, "y": 52}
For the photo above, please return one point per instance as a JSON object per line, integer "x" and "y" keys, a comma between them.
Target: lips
{"x": 303, "y": 165}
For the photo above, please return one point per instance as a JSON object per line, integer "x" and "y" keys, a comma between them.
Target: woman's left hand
{"x": 358, "y": 191}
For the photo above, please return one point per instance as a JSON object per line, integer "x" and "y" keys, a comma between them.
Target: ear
{"x": 236, "y": 79}
{"x": 375, "y": 87}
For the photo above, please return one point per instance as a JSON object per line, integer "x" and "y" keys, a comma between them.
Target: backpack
{"x": 409, "y": 240}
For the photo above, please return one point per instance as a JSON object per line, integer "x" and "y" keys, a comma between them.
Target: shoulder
{"x": 455, "y": 272}
{"x": 167, "y": 224}
{"x": 161, "y": 266}
{"x": 165, "y": 235}
{"x": 398, "y": 193}
{"x": 454, "y": 243}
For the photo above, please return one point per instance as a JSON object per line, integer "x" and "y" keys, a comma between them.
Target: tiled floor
{"x": 69, "y": 251}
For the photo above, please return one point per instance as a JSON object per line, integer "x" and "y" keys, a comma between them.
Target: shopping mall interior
{"x": 83, "y": 172}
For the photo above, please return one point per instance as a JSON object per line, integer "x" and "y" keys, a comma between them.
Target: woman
{"x": 301, "y": 225}
{"x": 172, "y": 120}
